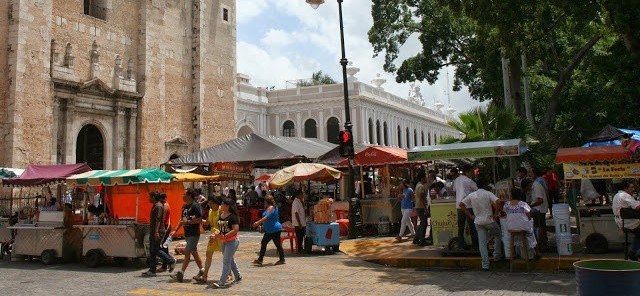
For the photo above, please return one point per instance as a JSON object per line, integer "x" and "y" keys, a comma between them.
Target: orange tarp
{"x": 122, "y": 200}
{"x": 587, "y": 154}
{"x": 376, "y": 155}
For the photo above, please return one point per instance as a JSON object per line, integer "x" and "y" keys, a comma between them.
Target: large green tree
{"x": 557, "y": 37}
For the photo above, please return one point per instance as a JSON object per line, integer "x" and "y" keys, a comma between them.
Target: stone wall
{"x": 186, "y": 100}
{"x": 29, "y": 106}
{"x": 5, "y": 123}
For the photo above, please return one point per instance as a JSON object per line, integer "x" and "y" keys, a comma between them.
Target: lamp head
{"x": 315, "y": 3}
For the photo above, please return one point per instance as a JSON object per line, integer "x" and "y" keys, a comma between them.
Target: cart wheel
{"x": 328, "y": 250}
{"x": 308, "y": 245}
{"x": 120, "y": 261}
{"x": 336, "y": 248}
{"x": 48, "y": 257}
{"x": 596, "y": 243}
{"x": 93, "y": 258}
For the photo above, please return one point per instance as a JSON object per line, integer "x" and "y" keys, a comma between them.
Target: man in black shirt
{"x": 156, "y": 232}
{"x": 191, "y": 220}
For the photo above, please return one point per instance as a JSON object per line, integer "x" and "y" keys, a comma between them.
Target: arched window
{"x": 422, "y": 136}
{"x": 386, "y": 134}
{"x": 288, "y": 129}
{"x": 415, "y": 137}
{"x": 333, "y": 130}
{"x": 310, "y": 129}
{"x": 370, "y": 131}
{"x": 378, "y": 133}
{"x": 399, "y": 137}
{"x": 408, "y": 139}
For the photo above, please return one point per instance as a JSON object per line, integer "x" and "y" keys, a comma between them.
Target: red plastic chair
{"x": 341, "y": 214}
{"x": 289, "y": 233}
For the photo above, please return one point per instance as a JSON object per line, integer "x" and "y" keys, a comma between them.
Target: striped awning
{"x": 120, "y": 177}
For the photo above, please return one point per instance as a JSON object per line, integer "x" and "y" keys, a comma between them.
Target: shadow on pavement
{"x": 472, "y": 281}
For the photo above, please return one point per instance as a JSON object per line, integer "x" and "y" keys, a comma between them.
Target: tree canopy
{"x": 581, "y": 56}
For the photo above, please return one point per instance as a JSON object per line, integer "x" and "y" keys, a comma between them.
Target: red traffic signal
{"x": 346, "y": 143}
{"x": 345, "y": 137}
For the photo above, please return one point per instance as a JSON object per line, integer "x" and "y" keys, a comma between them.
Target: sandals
{"x": 200, "y": 279}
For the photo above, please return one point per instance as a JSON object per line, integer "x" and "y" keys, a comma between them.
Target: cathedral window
{"x": 225, "y": 14}
{"x": 95, "y": 8}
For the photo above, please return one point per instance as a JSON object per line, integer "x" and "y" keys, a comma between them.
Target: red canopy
{"x": 376, "y": 155}
{"x": 36, "y": 175}
{"x": 586, "y": 154}
{"x": 264, "y": 178}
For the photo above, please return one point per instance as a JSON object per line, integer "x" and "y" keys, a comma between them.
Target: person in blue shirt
{"x": 272, "y": 230}
{"x": 406, "y": 204}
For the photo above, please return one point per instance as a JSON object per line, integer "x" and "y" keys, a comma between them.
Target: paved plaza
{"x": 316, "y": 274}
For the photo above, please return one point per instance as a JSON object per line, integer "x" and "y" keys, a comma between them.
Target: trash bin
{"x": 609, "y": 277}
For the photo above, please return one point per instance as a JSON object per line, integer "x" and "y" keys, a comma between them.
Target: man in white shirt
{"x": 484, "y": 213}
{"x": 463, "y": 186}
{"x": 539, "y": 205}
{"x": 623, "y": 199}
{"x": 298, "y": 218}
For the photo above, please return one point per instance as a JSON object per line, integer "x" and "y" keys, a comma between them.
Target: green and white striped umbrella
{"x": 120, "y": 177}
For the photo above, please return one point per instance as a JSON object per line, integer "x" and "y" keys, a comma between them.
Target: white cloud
{"x": 320, "y": 28}
{"x": 268, "y": 69}
{"x": 249, "y": 9}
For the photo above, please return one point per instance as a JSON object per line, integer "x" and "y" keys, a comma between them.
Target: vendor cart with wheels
{"x": 121, "y": 242}
{"x": 48, "y": 240}
{"x": 326, "y": 235}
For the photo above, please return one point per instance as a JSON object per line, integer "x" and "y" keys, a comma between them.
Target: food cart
{"x": 47, "y": 234}
{"x": 126, "y": 235}
{"x": 380, "y": 203}
{"x": 597, "y": 228}
{"x": 321, "y": 231}
{"x": 443, "y": 212}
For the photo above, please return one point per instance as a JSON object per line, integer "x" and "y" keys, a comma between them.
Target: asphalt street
{"x": 316, "y": 274}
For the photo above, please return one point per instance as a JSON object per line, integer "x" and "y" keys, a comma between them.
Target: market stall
{"x": 381, "y": 165}
{"x": 321, "y": 230}
{"x": 443, "y": 212}
{"x": 596, "y": 224}
{"x": 46, "y": 231}
{"x": 123, "y": 230}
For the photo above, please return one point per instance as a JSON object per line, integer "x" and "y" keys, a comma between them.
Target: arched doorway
{"x": 378, "y": 133}
{"x": 399, "y": 137}
{"x": 370, "y": 131}
{"x": 386, "y": 134}
{"x": 244, "y": 130}
{"x": 408, "y": 138}
{"x": 310, "y": 129}
{"x": 333, "y": 130}
{"x": 90, "y": 147}
{"x": 288, "y": 129}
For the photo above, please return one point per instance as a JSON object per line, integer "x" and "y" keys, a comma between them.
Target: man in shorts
{"x": 191, "y": 220}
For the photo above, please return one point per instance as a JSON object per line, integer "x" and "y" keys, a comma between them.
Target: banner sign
{"x": 601, "y": 171}
{"x": 481, "y": 152}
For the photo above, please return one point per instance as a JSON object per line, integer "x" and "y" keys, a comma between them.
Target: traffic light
{"x": 346, "y": 143}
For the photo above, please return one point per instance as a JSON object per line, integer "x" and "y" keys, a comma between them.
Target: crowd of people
{"x": 224, "y": 224}
{"x": 479, "y": 210}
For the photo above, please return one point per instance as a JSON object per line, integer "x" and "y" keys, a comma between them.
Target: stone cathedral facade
{"x": 116, "y": 83}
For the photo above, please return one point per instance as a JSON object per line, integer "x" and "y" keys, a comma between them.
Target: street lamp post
{"x": 348, "y": 126}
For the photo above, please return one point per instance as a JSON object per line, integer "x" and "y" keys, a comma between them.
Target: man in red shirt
{"x": 553, "y": 187}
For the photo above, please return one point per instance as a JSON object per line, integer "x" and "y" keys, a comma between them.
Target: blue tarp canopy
{"x": 612, "y": 136}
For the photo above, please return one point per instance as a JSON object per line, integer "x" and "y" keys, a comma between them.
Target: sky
{"x": 281, "y": 40}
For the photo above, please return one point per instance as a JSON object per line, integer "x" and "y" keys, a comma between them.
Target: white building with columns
{"x": 379, "y": 117}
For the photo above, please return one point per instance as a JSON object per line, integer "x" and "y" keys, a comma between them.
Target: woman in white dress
{"x": 519, "y": 219}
